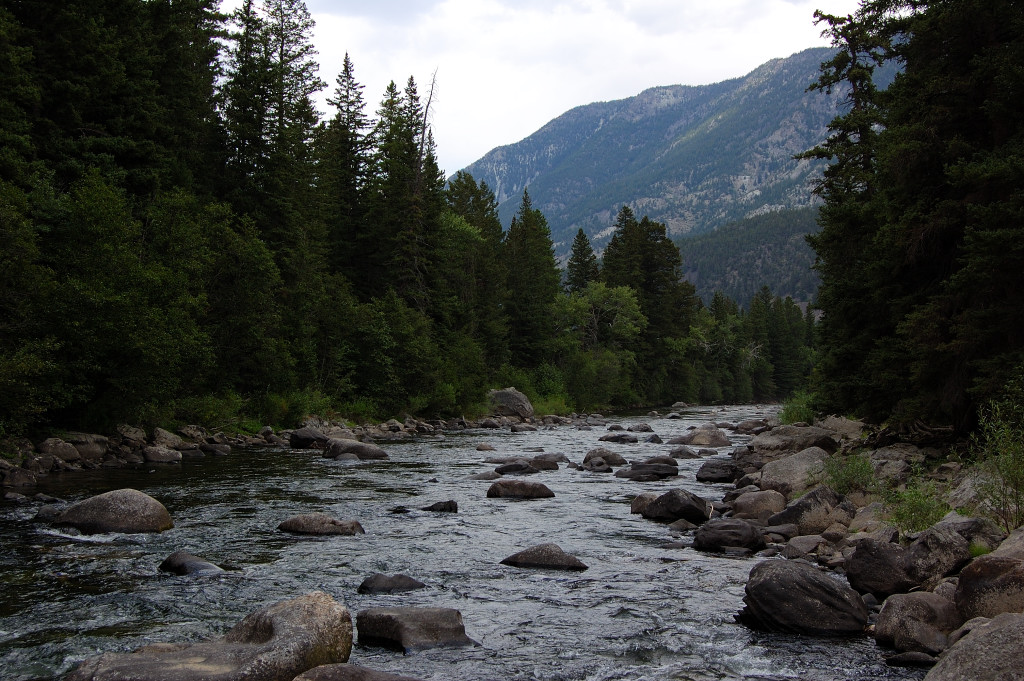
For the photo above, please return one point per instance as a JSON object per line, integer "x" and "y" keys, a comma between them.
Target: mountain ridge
{"x": 692, "y": 156}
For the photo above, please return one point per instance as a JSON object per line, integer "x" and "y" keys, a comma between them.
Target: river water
{"x": 643, "y": 610}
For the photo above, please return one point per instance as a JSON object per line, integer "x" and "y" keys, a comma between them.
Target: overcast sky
{"x": 506, "y": 67}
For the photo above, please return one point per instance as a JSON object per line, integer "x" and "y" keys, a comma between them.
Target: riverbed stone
{"x": 307, "y": 437}
{"x": 320, "y": 524}
{"x": 165, "y": 438}
{"x": 717, "y": 470}
{"x": 705, "y": 435}
{"x": 510, "y": 402}
{"x": 610, "y": 458}
{"x": 518, "y": 489}
{"x": 794, "y": 474}
{"x": 54, "y": 446}
{"x": 877, "y": 567}
{"x": 184, "y": 563}
{"x": 937, "y": 552}
{"x": 389, "y": 584}
{"x": 550, "y": 556}
{"x": 721, "y": 534}
{"x": 123, "y": 510}
{"x": 783, "y": 440}
{"x": 795, "y": 597}
{"x": 990, "y": 652}
{"x": 991, "y": 585}
{"x": 91, "y": 446}
{"x": 349, "y": 672}
{"x": 517, "y": 467}
{"x": 761, "y": 504}
{"x": 275, "y": 643}
{"x": 678, "y": 504}
{"x": 812, "y": 513}
{"x": 640, "y": 501}
{"x": 161, "y": 454}
{"x": 919, "y": 621}
{"x": 364, "y": 451}
{"x": 411, "y": 629}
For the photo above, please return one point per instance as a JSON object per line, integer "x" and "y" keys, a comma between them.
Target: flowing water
{"x": 643, "y": 610}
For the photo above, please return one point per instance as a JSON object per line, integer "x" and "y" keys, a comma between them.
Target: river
{"x": 643, "y": 610}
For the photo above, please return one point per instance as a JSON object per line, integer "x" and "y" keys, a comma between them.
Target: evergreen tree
{"x": 533, "y": 285}
{"x": 582, "y": 267}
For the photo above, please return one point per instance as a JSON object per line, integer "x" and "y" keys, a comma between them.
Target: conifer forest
{"x": 185, "y": 238}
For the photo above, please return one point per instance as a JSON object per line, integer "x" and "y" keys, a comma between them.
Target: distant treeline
{"x": 183, "y": 237}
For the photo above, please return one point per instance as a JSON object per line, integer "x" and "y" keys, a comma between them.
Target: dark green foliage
{"x": 919, "y": 249}
{"x": 533, "y": 284}
{"x": 738, "y": 258}
{"x": 582, "y": 267}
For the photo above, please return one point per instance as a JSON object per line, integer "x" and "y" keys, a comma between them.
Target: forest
{"x": 186, "y": 239}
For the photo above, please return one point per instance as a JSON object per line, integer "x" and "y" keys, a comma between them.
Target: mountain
{"x": 693, "y": 157}
{"x": 741, "y": 257}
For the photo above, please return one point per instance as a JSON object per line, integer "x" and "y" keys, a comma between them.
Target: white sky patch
{"x": 507, "y": 67}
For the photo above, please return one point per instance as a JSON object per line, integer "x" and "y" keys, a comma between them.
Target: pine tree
{"x": 533, "y": 284}
{"x": 582, "y": 267}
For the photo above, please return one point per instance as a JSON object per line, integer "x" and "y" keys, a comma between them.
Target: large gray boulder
{"x": 877, "y": 567}
{"x": 276, "y": 643}
{"x": 54, "y": 446}
{"x": 795, "y": 597}
{"x": 411, "y": 629}
{"x": 991, "y": 652}
{"x": 705, "y": 435}
{"x": 510, "y": 402}
{"x": 991, "y": 585}
{"x": 722, "y": 534}
{"x": 364, "y": 451}
{"x": 91, "y": 447}
{"x": 611, "y": 458}
{"x": 678, "y": 504}
{"x": 320, "y": 524}
{"x": 791, "y": 475}
{"x": 550, "y": 556}
{"x": 919, "y": 622}
{"x": 937, "y": 552}
{"x": 307, "y": 437}
{"x": 518, "y": 489}
{"x": 761, "y": 504}
{"x": 783, "y": 440}
{"x": 122, "y": 510}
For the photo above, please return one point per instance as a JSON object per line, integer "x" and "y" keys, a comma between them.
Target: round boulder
{"x": 549, "y": 556}
{"x": 678, "y": 504}
{"x": 122, "y": 510}
{"x": 795, "y": 597}
{"x": 991, "y": 652}
{"x": 184, "y": 563}
{"x": 918, "y": 622}
{"x": 518, "y": 489}
{"x": 722, "y": 534}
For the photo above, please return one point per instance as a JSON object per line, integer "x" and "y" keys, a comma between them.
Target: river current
{"x": 645, "y": 609}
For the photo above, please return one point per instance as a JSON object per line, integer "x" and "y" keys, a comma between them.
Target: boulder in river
{"x": 706, "y": 435}
{"x": 320, "y": 524}
{"x": 678, "y": 504}
{"x": 510, "y": 402}
{"x": 722, "y": 534}
{"x": 307, "y": 437}
{"x": 549, "y": 556}
{"x": 121, "y": 510}
{"x": 450, "y": 506}
{"x": 364, "y": 451}
{"x": 876, "y": 567}
{"x": 277, "y": 642}
{"x": 389, "y": 584}
{"x": 610, "y": 458}
{"x": 349, "y": 672}
{"x": 794, "y": 597}
{"x": 184, "y": 563}
{"x": 411, "y": 629}
{"x": 717, "y": 470}
{"x": 518, "y": 489}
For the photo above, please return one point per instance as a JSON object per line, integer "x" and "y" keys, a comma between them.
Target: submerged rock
{"x": 184, "y": 563}
{"x": 277, "y": 642}
{"x": 388, "y": 584}
{"x": 519, "y": 489}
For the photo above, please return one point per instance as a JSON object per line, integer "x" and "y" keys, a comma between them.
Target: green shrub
{"x": 852, "y": 473}
{"x": 917, "y": 507}
{"x": 979, "y": 550}
{"x": 999, "y": 448}
{"x": 798, "y": 408}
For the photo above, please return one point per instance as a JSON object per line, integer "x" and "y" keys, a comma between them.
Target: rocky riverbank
{"x": 822, "y": 564}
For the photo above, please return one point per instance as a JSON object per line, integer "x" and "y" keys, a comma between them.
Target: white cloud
{"x": 507, "y": 67}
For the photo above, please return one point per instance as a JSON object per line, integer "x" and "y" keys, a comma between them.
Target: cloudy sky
{"x": 506, "y": 67}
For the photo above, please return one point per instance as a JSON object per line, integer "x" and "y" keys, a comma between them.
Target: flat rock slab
{"x": 349, "y": 672}
{"x": 275, "y": 643}
{"x": 519, "y": 489}
{"x": 320, "y": 524}
{"x": 411, "y": 629}
{"x": 122, "y": 510}
{"x": 549, "y": 556}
